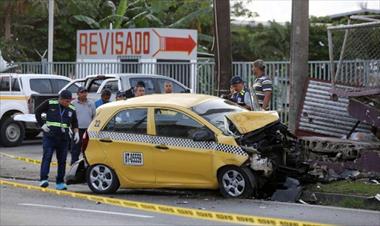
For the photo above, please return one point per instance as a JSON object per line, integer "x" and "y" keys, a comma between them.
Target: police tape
{"x": 171, "y": 210}
{"x": 28, "y": 160}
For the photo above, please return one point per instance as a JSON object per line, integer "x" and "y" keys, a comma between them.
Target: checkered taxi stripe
{"x": 170, "y": 141}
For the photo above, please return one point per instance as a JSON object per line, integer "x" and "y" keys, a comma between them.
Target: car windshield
{"x": 215, "y": 111}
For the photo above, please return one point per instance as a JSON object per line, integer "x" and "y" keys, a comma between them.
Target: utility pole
{"x": 222, "y": 46}
{"x": 51, "y": 32}
{"x": 299, "y": 55}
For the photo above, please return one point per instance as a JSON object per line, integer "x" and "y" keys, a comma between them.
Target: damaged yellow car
{"x": 182, "y": 141}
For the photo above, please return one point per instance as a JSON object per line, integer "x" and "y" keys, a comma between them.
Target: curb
{"x": 333, "y": 199}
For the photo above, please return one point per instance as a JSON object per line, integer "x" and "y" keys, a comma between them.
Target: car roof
{"x": 128, "y": 75}
{"x": 35, "y": 75}
{"x": 185, "y": 100}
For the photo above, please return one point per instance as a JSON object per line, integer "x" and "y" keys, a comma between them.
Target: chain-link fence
{"x": 355, "y": 48}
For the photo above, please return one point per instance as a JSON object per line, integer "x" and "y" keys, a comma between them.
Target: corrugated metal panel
{"x": 322, "y": 115}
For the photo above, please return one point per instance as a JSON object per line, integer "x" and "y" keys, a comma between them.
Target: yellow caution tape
{"x": 28, "y": 160}
{"x": 172, "y": 210}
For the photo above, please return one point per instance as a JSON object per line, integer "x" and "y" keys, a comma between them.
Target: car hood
{"x": 249, "y": 121}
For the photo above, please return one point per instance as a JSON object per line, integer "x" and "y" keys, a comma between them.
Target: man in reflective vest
{"x": 240, "y": 94}
{"x": 60, "y": 116}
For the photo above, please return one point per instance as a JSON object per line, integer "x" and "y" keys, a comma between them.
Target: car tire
{"x": 236, "y": 182}
{"x": 11, "y": 132}
{"x": 102, "y": 179}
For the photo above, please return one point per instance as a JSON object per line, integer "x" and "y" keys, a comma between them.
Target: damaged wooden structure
{"x": 339, "y": 125}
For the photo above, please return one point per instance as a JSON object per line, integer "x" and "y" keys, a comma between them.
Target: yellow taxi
{"x": 177, "y": 141}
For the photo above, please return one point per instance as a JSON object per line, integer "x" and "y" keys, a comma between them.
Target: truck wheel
{"x": 11, "y": 132}
{"x": 102, "y": 180}
{"x": 236, "y": 182}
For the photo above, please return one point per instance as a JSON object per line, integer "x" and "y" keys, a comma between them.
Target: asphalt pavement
{"x": 26, "y": 207}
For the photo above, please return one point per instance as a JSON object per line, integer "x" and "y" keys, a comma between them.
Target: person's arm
{"x": 42, "y": 108}
{"x": 267, "y": 89}
{"x": 267, "y": 98}
{"x": 74, "y": 122}
{"x": 93, "y": 110}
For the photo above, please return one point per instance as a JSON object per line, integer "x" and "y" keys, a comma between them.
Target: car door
{"x": 179, "y": 160}
{"x": 128, "y": 147}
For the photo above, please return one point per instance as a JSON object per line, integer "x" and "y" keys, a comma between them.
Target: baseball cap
{"x": 65, "y": 94}
{"x": 82, "y": 89}
{"x": 236, "y": 80}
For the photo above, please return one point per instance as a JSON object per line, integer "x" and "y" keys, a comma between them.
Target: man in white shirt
{"x": 85, "y": 110}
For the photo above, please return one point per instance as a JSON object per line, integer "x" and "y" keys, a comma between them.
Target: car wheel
{"x": 236, "y": 182}
{"x": 11, "y": 132}
{"x": 102, "y": 180}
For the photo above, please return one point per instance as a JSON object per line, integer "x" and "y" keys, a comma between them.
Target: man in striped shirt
{"x": 262, "y": 85}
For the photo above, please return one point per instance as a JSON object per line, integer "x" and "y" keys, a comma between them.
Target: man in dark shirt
{"x": 60, "y": 116}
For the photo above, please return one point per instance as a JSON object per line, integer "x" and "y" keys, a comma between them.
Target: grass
{"x": 348, "y": 188}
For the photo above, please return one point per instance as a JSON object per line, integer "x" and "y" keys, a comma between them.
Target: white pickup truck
{"x": 19, "y": 94}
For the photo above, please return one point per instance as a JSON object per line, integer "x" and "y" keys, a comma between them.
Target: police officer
{"x": 60, "y": 115}
{"x": 240, "y": 94}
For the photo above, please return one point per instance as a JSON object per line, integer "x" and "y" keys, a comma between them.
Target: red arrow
{"x": 175, "y": 44}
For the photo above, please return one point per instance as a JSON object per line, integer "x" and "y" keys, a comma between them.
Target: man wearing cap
{"x": 262, "y": 85}
{"x": 240, "y": 95}
{"x": 85, "y": 111}
{"x": 60, "y": 116}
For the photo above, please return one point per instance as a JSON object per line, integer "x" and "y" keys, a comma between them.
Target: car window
{"x": 73, "y": 88}
{"x": 41, "y": 85}
{"x": 4, "y": 83}
{"x": 174, "y": 124}
{"x": 176, "y": 88}
{"x": 111, "y": 85}
{"x": 149, "y": 87}
{"x": 94, "y": 85}
{"x": 129, "y": 121}
{"x": 214, "y": 111}
{"x": 59, "y": 84}
{"x": 15, "y": 84}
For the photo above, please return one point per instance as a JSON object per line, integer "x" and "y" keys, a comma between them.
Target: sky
{"x": 280, "y": 10}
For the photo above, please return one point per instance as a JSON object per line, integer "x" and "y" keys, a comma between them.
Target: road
{"x": 27, "y": 207}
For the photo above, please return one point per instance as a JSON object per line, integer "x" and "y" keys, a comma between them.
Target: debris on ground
{"x": 290, "y": 192}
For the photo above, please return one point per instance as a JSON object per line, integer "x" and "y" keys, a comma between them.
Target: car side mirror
{"x": 203, "y": 135}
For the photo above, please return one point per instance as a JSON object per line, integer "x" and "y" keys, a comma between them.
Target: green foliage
{"x": 121, "y": 10}
{"x": 349, "y": 188}
{"x": 29, "y": 23}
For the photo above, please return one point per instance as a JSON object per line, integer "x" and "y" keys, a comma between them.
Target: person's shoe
{"x": 44, "y": 183}
{"x": 61, "y": 186}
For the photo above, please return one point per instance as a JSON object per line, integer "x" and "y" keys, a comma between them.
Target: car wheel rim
{"x": 101, "y": 178}
{"x": 233, "y": 183}
{"x": 12, "y": 132}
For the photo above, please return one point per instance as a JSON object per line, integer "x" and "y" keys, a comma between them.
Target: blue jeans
{"x": 76, "y": 148}
{"x": 59, "y": 145}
